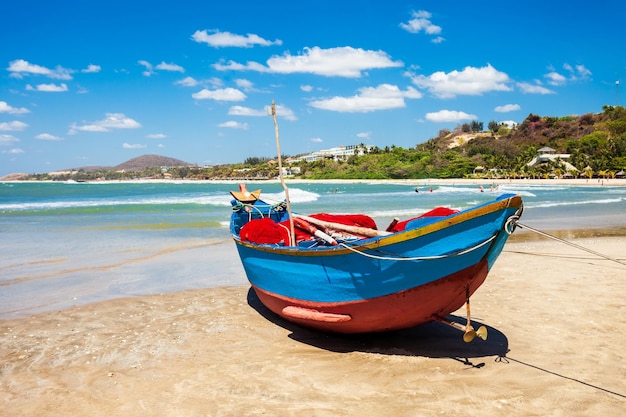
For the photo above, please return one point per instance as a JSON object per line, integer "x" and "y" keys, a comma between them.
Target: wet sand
{"x": 555, "y": 347}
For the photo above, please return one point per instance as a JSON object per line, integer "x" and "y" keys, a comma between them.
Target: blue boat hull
{"x": 382, "y": 283}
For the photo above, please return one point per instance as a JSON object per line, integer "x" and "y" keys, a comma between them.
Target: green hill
{"x": 596, "y": 144}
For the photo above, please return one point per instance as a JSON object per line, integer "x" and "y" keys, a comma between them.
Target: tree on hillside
{"x": 476, "y": 126}
{"x": 493, "y": 126}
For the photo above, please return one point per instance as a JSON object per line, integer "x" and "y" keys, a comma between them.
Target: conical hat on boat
{"x": 244, "y": 195}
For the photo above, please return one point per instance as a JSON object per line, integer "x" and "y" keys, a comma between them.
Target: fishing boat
{"x": 340, "y": 273}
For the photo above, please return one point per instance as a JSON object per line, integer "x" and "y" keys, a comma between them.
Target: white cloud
{"x": 219, "y": 39}
{"x": 306, "y": 88}
{"x": 13, "y": 151}
{"x": 449, "y": 116}
{"x": 245, "y": 85}
{"x": 223, "y": 94}
{"x": 576, "y": 73}
{"x": 234, "y": 66}
{"x": 170, "y": 67}
{"x": 554, "y": 78}
{"x": 91, "y": 68}
{"x": 15, "y": 125}
{"x": 20, "y": 67}
{"x": 187, "y": 82}
{"x": 582, "y": 72}
{"x": 383, "y": 97}
{"x": 48, "y": 88}
{"x": 507, "y": 108}
{"x": 246, "y": 111}
{"x": 282, "y": 112}
{"x": 334, "y": 62}
{"x": 111, "y": 121}
{"x": 537, "y": 88}
{"x": 156, "y": 136}
{"x": 421, "y": 22}
{"x": 364, "y": 135}
{"x": 47, "y": 136}
{"x": 7, "y": 139}
{"x": 316, "y": 140}
{"x": 6, "y": 108}
{"x": 234, "y": 125}
{"x": 133, "y": 146}
{"x": 214, "y": 82}
{"x": 470, "y": 81}
{"x": 149, "y": 68}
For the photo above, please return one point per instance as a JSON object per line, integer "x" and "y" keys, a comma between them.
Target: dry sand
{"x": 557, "y": 333}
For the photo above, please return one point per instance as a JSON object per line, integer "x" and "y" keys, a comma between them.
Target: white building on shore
{"x": 340, "y": 153}
{"x": 547, "y": 154}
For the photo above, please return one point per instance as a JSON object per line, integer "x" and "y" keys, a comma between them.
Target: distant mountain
{"x": 136, "y": 164}
{"x": 150, "y": 161}
{"x": 140, "y": 163}
{"x": 15, "y": 177}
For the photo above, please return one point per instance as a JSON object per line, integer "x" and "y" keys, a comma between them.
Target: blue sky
{"x": 97, "y": 83}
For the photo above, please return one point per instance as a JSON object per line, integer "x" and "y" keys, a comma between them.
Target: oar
{"x": 304, "y": 225}
{"x": 363, "y": 231}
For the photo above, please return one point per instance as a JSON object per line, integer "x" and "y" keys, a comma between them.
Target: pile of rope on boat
{"x": 269, "y": 224}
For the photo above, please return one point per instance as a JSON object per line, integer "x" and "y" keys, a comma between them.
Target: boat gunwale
{"x": 513, "y": 201}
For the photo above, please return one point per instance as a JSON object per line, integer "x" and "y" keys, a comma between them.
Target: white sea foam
{"x": 56, "y": 205}
{"x": 296, "y": 195}
{"x": 221, "y": 199}
{"x": 548, "y": 204}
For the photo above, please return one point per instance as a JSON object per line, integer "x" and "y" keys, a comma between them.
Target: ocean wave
{"x": 71, "y": 204}
{"x": 217, "y": 199}
{"x": 296, "y": 195}
{"x": 475, "y": 190}
{"x": 548, "y": 204}
{"x": 515, "y": 187}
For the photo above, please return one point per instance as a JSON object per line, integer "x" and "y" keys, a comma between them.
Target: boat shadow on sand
{"x": 431, "y": 340}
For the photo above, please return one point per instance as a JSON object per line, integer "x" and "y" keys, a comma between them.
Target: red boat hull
{"x": 400, "y": 310}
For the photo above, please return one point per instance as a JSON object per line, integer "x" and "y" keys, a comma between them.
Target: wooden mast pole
{"x": 282, "y": 180}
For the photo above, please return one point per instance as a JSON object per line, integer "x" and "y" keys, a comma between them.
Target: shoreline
{"x": 595, "y": 182}
{"x": 555, "y": 343}
{"x": 92, "y": 291}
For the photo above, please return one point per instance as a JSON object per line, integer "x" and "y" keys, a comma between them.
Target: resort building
{"x": 290, "y": 171}
{"x": 547, "y": 154}
{"x": 340, "y": 153}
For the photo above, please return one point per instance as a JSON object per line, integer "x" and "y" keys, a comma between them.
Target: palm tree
{"x": 558, "y": 171}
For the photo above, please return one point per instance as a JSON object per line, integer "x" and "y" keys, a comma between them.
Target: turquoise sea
{"x": 66, "y": 244}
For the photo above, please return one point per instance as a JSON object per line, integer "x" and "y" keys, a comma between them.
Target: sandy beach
{"x": 555, "y": 347}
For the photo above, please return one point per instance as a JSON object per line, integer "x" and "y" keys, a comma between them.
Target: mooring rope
{"x": 417, "y": 258}
{"x": 539, "y": 232}
{"x": 250, "y": 208}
